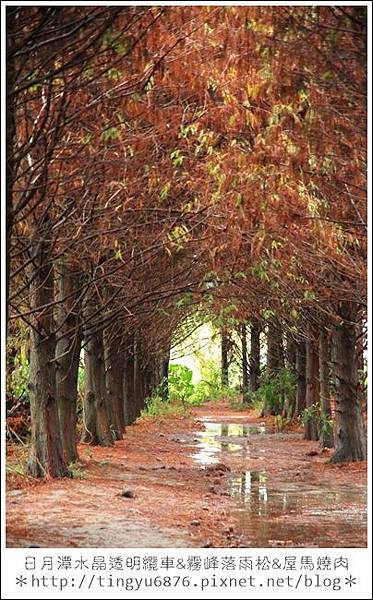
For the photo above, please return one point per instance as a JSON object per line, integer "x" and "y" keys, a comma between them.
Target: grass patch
{"x": 158, "y": 407}
{"x": 76, "y": 472}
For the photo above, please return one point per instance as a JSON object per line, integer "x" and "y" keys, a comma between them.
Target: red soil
{"x": 176, "y": 501}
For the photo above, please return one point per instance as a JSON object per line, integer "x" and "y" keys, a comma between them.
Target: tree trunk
{"x": 224, "y": 358}
{"x": 130, "y": 415}
{"x": 350, "y": 435}
{"x": 312, "y": 389}
{"x": 96, "y": 418}
{"x": 254, "y": 356}
{"x": 151, "y": 377}
{"x": 89, "y": 434}
{"x": 139, "y": 380}
{"x": 289, "y": 401}
{"x": 10, "y": 140}
{"x": 361, "y": 347}
{"x": 165, "y": 364}
{"x": 362, "y": 367}
{"x": 67, "y": 358}
{"x": 300, "y": 400}
{"x": 67, "y": 393}
{"x": 326, "y": 432}
{"x": 46, "y": 456}
{"x": 275, "y": 362}
{"x": 291, "y": 348}
{"x": 245, "y": 372}
{"x": 114, "y": 385}
{"x": 275, "y": 350}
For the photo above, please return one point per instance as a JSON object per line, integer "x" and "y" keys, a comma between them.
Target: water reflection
{"x": 241, "y": 486}
{"x": 251, "y": 487}
{"x": 325, "y": 511}
{"x": 285, "y": 513}
{"x": 223, "y": 436}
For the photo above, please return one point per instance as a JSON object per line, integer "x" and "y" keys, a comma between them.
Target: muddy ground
{"x": 217, "y": 478}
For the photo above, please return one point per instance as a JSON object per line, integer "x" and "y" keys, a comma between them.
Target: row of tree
{"x": 318, "y": 391}
{"x": 164, "y": 159}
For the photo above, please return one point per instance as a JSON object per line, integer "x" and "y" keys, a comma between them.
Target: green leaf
{"x": 164, "y": 191}
{"x": 176, "y": 158}
{"x": 112, "y": 133}
{"x": 239, "y": 200}
{"x": 149, "y": 84}
{"x": 114, "y": 74}
{"x": 309, "y": 295}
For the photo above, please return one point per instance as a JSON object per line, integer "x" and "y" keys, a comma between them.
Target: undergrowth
{"x": 272, "y": 391}
{"x": 183, "y": 393}
{"x": 156, "y": 406}
{"x": 76, "y": 472}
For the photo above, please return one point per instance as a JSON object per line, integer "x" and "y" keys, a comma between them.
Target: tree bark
{"x": 289, "y": 401}
{"x": 67, "y": 357}
{"x": 254, "y": 356}
{"x": 312, "y": 387}
{"x": 245, "y": 372}
{"x": 130, "y": 415}
{"x": 151, "y": 376}
{"x": 165, "y": 364}
{"x": 224, "y": 358}
{"x": 361, "y": 347}
{"x": 139, "y": 380}
{"x": 275, "y": 361}
{"x": 46, "y": 456}
{"x": 10, "y": 141}
{"x": 96, "y": 418}
{"x": 350, "y": 435}
{"x": 291, "y": 348}
{"x": 326, "y": 435}
{"x": 300, "y": 400}
{"x": 275, "y": 350}
{"x": 89, "y": 434}
{"x": 114, "y": 362}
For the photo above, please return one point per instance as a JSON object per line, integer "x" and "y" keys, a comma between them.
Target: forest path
{"x": 220, "y": 477}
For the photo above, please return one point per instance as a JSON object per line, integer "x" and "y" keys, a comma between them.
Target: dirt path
{"x": 219, "y": 478}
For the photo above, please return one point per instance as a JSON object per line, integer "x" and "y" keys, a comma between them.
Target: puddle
{"x": 231, "y": 429}
{"x": 253, "y": 491}
{"x": 298, "y": 515}
{"x": 218, "y": 437}
{"x": 243, "y": 487}
{"x": 283, "y": 513}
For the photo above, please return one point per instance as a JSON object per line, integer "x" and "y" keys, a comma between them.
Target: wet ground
{"x": 219, "y": 478}
{"x": 278, "y": 511}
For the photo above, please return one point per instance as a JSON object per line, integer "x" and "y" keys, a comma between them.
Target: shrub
{"x": 183, "y": 393}
{"x": 75, "y": 472}
{"x": 156, "y": 406}
{"x": 273, "y": 390}
{"x": 17, "y": 382}
{"x": 180, "y": 384}
{"x": 325, "y": 423}
{"x": 281, "y": 423}
{"x": 209, "y": 388}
